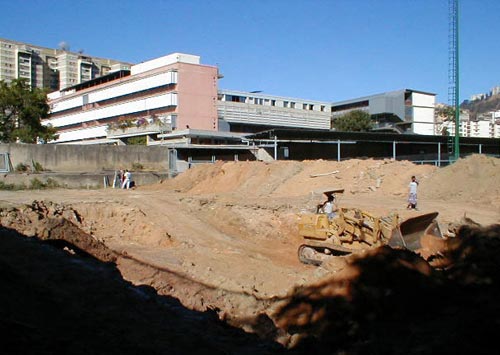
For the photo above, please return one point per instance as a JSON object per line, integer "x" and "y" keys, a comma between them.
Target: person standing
{"x": 119, "y": 179}
{"x": 412, "y": 194}
{"x": 127, "y": 178}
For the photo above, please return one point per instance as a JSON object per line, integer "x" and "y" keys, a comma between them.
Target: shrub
{"x": 37, "y": 167}
{"x": 4, "y": 186}
{"x": 137, "y": 166}
{"x": 36, "y": 184}
{"x": 22, "y": 168}
{"x": 51, "y": 183}
{"x": 138, "y": 140}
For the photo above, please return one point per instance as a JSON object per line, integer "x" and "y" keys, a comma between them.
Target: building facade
{"x": 154, "y": 97}
{"x": 53, "y": 69}
{"x": 401, "y": 111}
{"x": 176, "y": 92}
{"x": 240, "y": 111}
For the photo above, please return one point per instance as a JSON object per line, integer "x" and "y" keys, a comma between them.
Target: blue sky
{"x": 328, "y": 50}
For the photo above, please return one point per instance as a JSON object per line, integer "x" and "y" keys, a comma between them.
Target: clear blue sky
{"x": 328, "y": 50}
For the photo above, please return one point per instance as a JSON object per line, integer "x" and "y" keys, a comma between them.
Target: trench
{"x": 68, "y": 229}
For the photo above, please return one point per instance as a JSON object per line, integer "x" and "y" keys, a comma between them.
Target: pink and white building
{"x": 161, "y": 95}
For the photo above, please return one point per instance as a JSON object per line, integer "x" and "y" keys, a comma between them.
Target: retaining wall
{"x": 79, "y": 180}
{"x": 87, "y": 158}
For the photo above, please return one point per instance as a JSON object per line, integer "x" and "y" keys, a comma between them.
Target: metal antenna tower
{"x": 453, "y": 73}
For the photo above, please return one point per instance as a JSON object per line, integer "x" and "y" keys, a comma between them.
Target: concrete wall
{"x": 80, "y": 180}
{"x": 87, "y": 158}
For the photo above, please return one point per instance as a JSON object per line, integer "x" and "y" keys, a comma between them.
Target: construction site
{"x": 209, "y": 262}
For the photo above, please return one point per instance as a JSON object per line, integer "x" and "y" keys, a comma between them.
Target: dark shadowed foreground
{"x": 59, "y": 298}
{"x": 56, "y": 302}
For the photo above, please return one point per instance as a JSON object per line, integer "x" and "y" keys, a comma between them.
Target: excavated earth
{"x": 207, "y": 263}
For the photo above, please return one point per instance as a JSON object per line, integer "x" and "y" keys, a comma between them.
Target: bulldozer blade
{"x": 409, "y": 232}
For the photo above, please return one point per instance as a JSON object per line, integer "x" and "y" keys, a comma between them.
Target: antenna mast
{"x": 453, "y": 73}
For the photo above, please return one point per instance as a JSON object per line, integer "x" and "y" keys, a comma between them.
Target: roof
{"x": 99, "y": 80}
{"x": 388, "y": 93}
{"x": 311, "y": 135}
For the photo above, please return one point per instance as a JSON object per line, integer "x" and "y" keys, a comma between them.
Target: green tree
{"x": 446, "y": 112}
{"x": 353, "y": 121}
{"x": 21, "y": 112}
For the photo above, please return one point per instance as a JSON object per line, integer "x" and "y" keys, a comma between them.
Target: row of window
{"x": 274, "y": 103}
{"x": 8, "y": 58}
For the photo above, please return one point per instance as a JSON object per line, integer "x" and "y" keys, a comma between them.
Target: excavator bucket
{"x": 410, "y": 232}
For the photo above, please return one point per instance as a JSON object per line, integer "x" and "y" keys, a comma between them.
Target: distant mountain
{"x": 479, "y": 107}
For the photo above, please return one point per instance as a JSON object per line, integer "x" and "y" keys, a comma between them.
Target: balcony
{"x": 139, "y": 127}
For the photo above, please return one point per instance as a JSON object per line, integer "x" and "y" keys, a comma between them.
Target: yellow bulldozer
{"x": 352, "y": 230}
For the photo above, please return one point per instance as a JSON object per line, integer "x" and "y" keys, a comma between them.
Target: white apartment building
{"x": 484, "y": 128}
{"x": 50, "y": 68}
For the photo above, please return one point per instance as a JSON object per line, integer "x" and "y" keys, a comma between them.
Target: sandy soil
{"x": 218, "y": 244}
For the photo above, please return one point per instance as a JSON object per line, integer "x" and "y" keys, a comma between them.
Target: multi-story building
{"x": 483, "y": 128}
{"x": 171, "y": 95}
{"x": 54, "y": 69}
{"x": 254, "y": 111}
{"x": 401, "y": 111}
{"x": 154, "y": 97}
{"x": 477, "y": 97}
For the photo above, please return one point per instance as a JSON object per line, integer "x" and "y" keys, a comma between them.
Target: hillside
{"x": 480, "y": 107}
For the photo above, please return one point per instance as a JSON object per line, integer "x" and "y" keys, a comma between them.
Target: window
{"x": 285, "y": 103}
{"x": 292, "y": 104}
{"x": 273, "y": 102}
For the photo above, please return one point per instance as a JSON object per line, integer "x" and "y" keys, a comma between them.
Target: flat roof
{"x": 328, "y": 135}
{"x": 388, "y": 93}
{"x": 259, "y": 94}
{"x": 99, "y": 80}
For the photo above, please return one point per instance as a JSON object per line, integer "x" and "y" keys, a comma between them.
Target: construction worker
{"x": 328, "y": 207}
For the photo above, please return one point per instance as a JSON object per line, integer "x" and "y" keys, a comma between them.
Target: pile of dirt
{"x": 55, "y": 224}
{"x": 382, "y": 301}
{"x": 391, "y": 301}
{"x": 475, "y": 178}
{"x": 55, "y": 302}
{"x": 292, "y": 178}
{"x": 156, "y": 269}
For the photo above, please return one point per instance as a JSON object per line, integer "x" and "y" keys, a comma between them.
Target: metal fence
{"x": 5, "y": 164}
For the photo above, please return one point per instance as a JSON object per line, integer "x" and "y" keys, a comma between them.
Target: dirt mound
{"x": 222, "y": 239}
{"x": 55, "y": 224}
{"x": 360, "y": 309}
{"x": 292, "y": 178}
{"x": 351, "y": 309}
{"x": 57, "y": 303}
{"x": 475, "y": 178}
